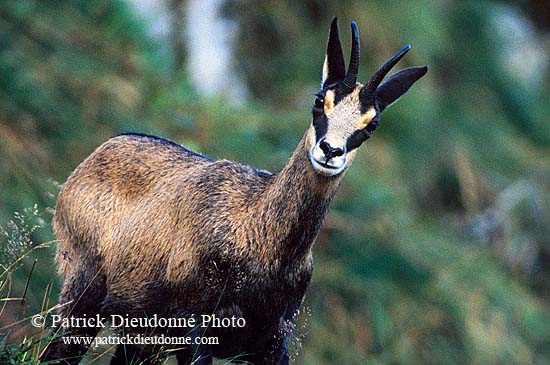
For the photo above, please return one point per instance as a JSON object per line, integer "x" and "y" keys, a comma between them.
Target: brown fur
{"x": 154, "y": 228}
{"x": 146, "y": 227}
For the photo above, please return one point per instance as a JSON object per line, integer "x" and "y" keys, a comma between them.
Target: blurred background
{"x": 437, "y": 247}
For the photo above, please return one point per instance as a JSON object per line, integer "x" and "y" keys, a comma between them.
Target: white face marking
{"x": 343, "y": 120}
{"x": 324, "y": 166}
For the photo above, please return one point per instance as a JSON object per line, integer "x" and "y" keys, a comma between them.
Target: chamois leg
{"x": 82, "y": 294}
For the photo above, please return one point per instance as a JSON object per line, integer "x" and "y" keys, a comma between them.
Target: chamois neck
{"x": 295, "y": 204}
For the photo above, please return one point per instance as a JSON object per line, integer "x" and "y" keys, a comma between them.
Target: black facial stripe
{"x": 338, "y": 97}
{"x": 360, "y": 136}
{"x": 371, "y": 127}
{"x": 356, "y": 139}
{"x": 320, "y": 123}
{"x": 367, "y": 102}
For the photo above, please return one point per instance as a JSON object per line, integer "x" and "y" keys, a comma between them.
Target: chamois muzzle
{"x": 330, "y": 151}
{"x": 328, "y": 160}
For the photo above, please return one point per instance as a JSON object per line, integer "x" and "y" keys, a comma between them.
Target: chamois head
{"x": 346, "y": 113}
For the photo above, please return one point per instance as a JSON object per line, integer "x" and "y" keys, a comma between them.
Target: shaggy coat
{"x": 148, "y": 228}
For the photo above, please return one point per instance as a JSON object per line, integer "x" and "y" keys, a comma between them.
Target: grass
{"x": 20, "y": 343}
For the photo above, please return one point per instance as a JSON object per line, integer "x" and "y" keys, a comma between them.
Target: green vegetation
{"x": 437, "y": 247}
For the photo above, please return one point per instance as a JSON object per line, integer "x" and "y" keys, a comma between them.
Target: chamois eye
{"x": 319, "y": 107}
{"x": 319, "y": 101}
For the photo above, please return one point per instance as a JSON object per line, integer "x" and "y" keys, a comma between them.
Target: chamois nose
{"x": 330, "y": 151}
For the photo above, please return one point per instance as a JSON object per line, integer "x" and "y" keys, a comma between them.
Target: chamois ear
{"x": 397, "y": 85}
{"x": 334, "y": 69}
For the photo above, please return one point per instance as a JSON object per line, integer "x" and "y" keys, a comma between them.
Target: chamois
{"x": 148, "y": 228}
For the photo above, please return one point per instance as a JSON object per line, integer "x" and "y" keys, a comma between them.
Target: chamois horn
{"x": 383, "y": 71}
{"x": 353, "y": 69}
